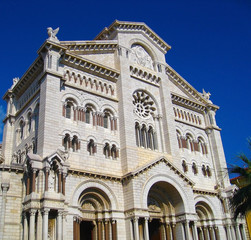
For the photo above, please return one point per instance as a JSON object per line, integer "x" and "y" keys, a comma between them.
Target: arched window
{"x": 209, "y": 174}
{"x": 21, "y": 126}
{"x": 87, "y": 116}
{"x": 202, "y": 146}
{"x": 107, "y": 151}
{"x": 143, "y": 137}
{"x": 204, "y": 171}
{"x": 29, "y": 122}
{"x": 68, "y": 108}
{"x": 106, "y": 119}
{"x": 114, "y": 152}
{"x": 179, "y": 139}
{"x": 75, "y": 144}
{"x": 194, "y": 168}
{"x": 137, "y": 134}
{"x": 36, "y": 118}
{"x": 91, "y": 147}
{"x": 189, "y": 139}
{"x": 184, "y": 166}
{"x": 66, "y": 142}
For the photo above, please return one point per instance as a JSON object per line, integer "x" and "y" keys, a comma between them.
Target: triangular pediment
{"x": 152, "y": 164}
{"x": 185, "y": 94}
{"x": 132, "y": 27}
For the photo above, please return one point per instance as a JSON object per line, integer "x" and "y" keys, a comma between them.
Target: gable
{"x": 158, "y": 161}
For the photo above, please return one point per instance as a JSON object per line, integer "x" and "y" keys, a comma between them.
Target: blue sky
{"x": 210, "y": 46}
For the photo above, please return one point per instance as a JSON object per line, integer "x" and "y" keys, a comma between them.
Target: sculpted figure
{"x": 52, "y": 33}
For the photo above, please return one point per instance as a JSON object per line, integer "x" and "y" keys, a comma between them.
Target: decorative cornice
{"x": 95, "y": 175}
{"x": 90, "y": 66}
{"x": 27, "y": 78}
{"x": 122, "y": 26}
{"x": 205, "y": 192}
{"x": 12, "y": 168}
{"x": 188, "y": 103}
{"x": 144, "y": 75}
{"x": 90, "y": 46}
{"x": 181, "y": 82}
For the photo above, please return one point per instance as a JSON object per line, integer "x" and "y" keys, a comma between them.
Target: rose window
{"x": 143, "y": 104}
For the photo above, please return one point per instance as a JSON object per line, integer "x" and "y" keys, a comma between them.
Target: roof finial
{"x": 52, "y": 34}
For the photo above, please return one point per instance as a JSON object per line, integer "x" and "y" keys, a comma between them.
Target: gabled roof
{"x": 144, "y": 168}
{"x": 121, "y": 26}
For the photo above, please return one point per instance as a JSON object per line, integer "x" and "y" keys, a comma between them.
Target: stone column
{"x": 106, "y": 230}
{"x": 59, "y": 225}
{"x": 63, "y": 183}
{"x": 217, "y": 234}
{"x": 233, "y": 232}
{"x": 173, "y": 226}
{"x": 45, "y": 223}
{"x": 32, "y": 224}
{"x": 243, "y": 234}
{"x": 195, "y": 233}
{"x": 238, "y": 234}
{"x": 33, "y": 188}
{"x": 46, "y": 180}
{"x": 59, "y": 182}
{"x": 146, "y": 230}
{"x": 201, "y": 235}
{"x": 5, "y": 188}
{"x": 211, "y": 233}
{"x": 39, "y": 226}
{"x": 114, "y": 230}
{"x": 205, "y": 233}
{"x": 229, "y": 236}
{"x": 187, "y": 230}
{"x": 25, "y": 232}
{"x": 136, "y": 228}
{"x": 28, "y": 183}
{"x": 168, "y": 231}
{"x": 99, "y": 230}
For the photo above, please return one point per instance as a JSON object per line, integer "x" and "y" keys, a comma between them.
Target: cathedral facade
{"x": 104, "y": 140}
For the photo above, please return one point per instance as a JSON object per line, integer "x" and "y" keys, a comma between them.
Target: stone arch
{"x": 97, "y": 185}
{"x": 205, "y": 204}
{"x": 146, "y": 46}
{"x": 71, "y": 96}
{"x": 181, "y": 206}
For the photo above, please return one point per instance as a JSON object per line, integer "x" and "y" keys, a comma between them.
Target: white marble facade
{"x": 104, "y": 140}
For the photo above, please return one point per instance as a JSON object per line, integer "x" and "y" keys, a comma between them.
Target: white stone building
{"x": 104, "y": 140}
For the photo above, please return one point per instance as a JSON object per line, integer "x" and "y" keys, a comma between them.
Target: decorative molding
{"x": 144, "y": 75}
{"x": 187, "y": 103}
{"x": 134, "y": 27}
{"x": 90, "y": 67}
{"x": 88, "y": 83}
{"x": 205, "y": 192}
{"x": 90, "y": 46}
{"x": 181, "y": 82}
{"x": 20, "y": 86}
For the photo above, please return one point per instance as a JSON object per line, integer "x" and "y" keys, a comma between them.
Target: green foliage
{"x": 241, "y": 200}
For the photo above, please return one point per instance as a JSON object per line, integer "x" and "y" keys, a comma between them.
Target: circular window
{"x": 143, "y": 104}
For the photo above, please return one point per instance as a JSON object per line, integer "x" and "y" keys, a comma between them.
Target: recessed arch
{"x": 165, "y": 180}
{"x": 97, "y": 185}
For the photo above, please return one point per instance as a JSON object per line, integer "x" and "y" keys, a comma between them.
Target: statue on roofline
{"x": 52, "y": 33}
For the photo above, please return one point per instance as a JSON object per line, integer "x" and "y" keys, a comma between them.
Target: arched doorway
{"x": 163, "y": 202}
{"x": 94, "y": 221}
{"x": 205, "y": 229}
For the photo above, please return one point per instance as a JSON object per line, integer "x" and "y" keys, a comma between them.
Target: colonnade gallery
{"x": 104, "y": 140}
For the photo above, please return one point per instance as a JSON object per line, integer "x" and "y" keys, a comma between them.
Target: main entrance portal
{"x": 87, "y": 230}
